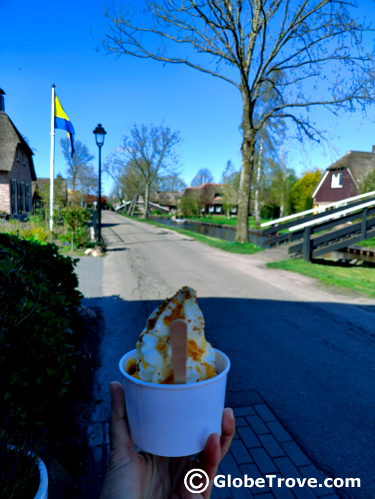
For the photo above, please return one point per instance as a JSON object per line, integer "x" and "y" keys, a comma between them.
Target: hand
{"x": 133, "y": 475}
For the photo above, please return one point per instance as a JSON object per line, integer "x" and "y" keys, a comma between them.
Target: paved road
{"x": 308, "y": 352}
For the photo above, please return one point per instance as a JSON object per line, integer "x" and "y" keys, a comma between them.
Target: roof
{"x": 10, "y": 138}
{"x": 359, "y": 164}
{"x": 210, "y": 193}
{"x": 195, "y": 191}
{"x": 165, "y": 198}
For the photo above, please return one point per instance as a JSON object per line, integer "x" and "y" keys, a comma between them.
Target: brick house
{"x": 16, "y": 167}
{"x": 342, "y": 179}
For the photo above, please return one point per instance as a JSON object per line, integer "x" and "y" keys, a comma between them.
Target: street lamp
{"x": 100, "y": 134}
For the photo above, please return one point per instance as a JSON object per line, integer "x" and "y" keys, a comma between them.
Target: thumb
{"x": 122, "y": 446}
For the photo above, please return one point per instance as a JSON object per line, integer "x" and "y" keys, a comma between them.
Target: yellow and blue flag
{"x": 63, "y": 123}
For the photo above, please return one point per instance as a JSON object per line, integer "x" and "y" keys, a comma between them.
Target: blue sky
{"x": 42, "y": 44}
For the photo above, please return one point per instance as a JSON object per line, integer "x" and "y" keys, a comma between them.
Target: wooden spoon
{"x": 178, "y": 334}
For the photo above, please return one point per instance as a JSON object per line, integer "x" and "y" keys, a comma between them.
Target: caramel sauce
{"x": 131, "y": 367}
{"x": 210, "y": 370}
{"x": 194, "y": 351}
{"x": 160, "y": 345}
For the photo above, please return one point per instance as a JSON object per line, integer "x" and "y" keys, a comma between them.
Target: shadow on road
{"x": 107, "y": 224}
{"x": 311, "y": 362}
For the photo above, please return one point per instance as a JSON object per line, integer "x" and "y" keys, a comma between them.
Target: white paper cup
{"x": 174, "y": 420}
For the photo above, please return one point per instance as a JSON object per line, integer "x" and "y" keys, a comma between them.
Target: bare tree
{"x": 128, "y": 180}
{"x": 202, "y": 177}
{"x": 315, "y": 45}
{"x": 171, "y": 183}
{"x": 81, "y": 175}
{"x": 147, "y": 153}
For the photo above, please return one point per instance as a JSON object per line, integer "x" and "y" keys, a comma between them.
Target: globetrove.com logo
{"x": 222, "y": 481}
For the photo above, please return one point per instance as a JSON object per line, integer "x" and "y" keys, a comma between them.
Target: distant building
{"x": 342, "y": 179}
{"x": 41, "y": 186}
{"x": 165, "y": 199}
{"x": 16, "y": 167}
{"x": 211, "y": 197}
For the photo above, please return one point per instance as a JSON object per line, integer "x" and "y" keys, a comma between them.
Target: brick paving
{"x": 262, "y": 446}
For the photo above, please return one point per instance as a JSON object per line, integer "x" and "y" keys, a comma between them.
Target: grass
{"x": 230, "y": 246}
{"x": 37, "y": 230}
{"x": 367, "y": 243}
{"x": 220, "y": 219}
{"x": 355, "y": 278}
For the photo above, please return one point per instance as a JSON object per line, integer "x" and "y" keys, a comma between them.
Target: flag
{"x": 63, "y": 123}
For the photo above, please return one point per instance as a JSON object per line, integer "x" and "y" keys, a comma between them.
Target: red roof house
{"x": 343, "y": 178}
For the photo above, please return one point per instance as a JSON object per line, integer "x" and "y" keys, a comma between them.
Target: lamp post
{"x": 100, "y": 134}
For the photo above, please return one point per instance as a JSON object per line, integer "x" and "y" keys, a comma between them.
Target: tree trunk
{"x": 256, "y": 197}
{"x": 247, "y": 149}
{"x": 282, "y": 204}
{"x": 134, "y": 204}
{"x": 146, "y": 201}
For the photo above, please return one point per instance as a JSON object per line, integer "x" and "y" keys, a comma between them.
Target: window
{"x": 13, "y": 196}
{"x": 19, "y": 198}
{"x": 23, "y": 202}
{"x": 336, "y": 180}
{"x": 27, "y": 201}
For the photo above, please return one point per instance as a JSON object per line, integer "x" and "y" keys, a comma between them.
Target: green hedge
{"x": 38, "y": 357}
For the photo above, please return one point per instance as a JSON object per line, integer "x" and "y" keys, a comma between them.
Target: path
{"x": 296, "y": 347}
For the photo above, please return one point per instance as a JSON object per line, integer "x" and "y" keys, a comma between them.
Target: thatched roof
{"x": 209, "y": 193}
{"x": 10, "y": 138}
{"x": 165, "y": 198}
{"x": 359, "y": 164}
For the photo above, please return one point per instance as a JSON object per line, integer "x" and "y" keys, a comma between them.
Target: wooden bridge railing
{"x": 361, "y": 227}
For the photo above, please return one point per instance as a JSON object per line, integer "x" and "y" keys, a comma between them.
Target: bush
{"x": 34, "y": 233}
{"x": 188, "y": 207}
{"x": 37, "y": 354}
{"x": 76, "y": 219}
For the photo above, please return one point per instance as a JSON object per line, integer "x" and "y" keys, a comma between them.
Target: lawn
{"x": 354, "y": 277}
{"x": 367, "y": 243}
{"x": 223, "y": 220}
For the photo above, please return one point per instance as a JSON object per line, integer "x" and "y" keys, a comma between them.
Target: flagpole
{"x": 52, "y": 159}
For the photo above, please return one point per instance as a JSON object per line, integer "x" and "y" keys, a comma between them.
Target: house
{"x": 211, "y": 197}
{"x": 16, "y": 167}
{"x": 40, "y": 189}
{"x": 342, "y": 179}
{"x": 165, "y": 199}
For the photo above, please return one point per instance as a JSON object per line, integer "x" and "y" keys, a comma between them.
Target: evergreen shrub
{"x": 38, "y": 357}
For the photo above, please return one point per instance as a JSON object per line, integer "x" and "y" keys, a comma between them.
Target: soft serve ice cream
{"x": 154, "y": 351}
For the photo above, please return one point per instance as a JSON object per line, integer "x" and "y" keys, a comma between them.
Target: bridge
{"x": 340, "y": 226}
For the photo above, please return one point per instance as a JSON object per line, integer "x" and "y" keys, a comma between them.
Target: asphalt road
{"x": 309, "y": 351}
